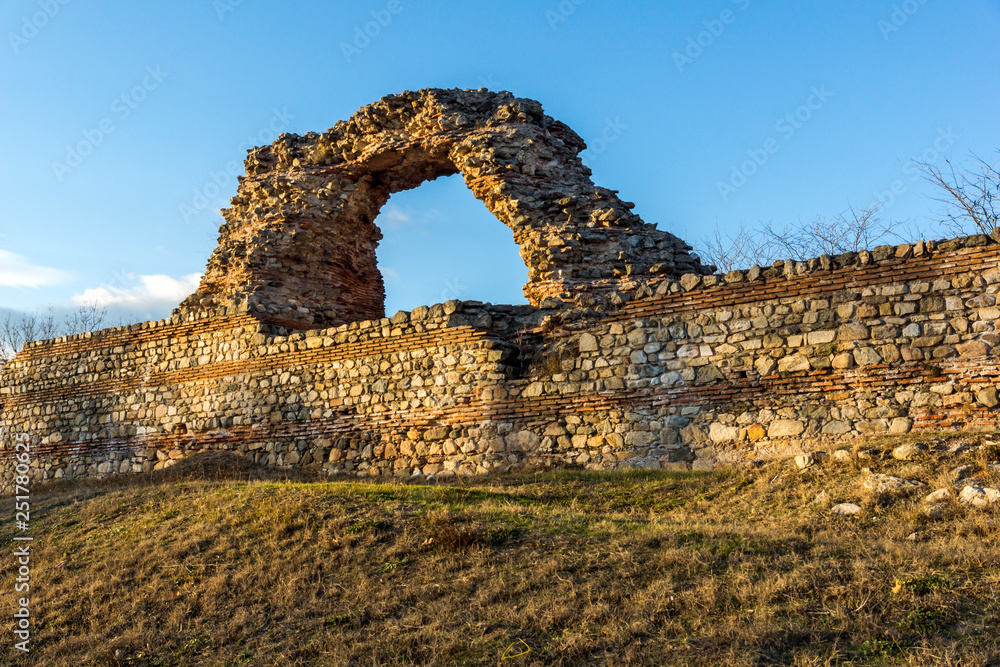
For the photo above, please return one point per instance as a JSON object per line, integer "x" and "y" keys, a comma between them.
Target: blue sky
{"x": 124, "y": 125}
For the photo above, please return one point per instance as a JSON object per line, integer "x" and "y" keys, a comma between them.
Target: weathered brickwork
{"x": 683, "y": 374}
{"x": 298, "y": 245}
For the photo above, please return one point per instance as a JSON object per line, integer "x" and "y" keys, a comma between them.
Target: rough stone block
{"x": 853, "y": 331}
{"x": 988, "y": 397}
{"x": 785, "y": 428}
{"x": 719, "y": 432}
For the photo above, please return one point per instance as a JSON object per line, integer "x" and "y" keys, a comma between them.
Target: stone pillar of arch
{"x": 298, "y": 244}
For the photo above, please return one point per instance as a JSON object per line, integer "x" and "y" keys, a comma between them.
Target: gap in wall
{"x": 441, "y": 243}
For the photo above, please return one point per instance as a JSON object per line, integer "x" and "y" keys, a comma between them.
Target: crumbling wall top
{"x": 298, "y": 245}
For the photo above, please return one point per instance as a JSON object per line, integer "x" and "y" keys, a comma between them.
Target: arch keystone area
{"x": 298, "y": 245}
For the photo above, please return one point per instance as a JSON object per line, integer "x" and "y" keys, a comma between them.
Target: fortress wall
{"x": 707, "y": 369}
{"x": 902, "y": 338}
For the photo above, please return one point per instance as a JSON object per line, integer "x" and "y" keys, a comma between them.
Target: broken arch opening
{"x": 440, "y": 243}
{"x": 298, "y": 249}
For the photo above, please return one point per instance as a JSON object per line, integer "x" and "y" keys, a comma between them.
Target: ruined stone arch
{"x": 298, "y": 243}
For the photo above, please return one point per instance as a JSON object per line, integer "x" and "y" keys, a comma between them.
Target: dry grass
{"x": 730, "y": 568}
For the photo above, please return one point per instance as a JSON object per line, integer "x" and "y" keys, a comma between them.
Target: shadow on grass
{"x": 226, "y": 466}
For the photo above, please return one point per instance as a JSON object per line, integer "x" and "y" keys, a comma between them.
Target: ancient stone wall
{"x": 631, "y": 353}
{"x": 700, "y": 370}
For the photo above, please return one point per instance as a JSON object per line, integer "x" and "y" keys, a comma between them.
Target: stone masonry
{"x": 298, "y": 244}
{"x": 669, "y": 371}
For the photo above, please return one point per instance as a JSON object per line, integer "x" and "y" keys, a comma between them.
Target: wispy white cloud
{"x": 151, "y": 292}
{"x": 389, "y": 274}
{"x": 394, "y": 217}
{"x": 18, "y": 271}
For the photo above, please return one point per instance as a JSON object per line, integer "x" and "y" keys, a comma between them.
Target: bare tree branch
{"x": 971, "y": 197}
{"x": 87, "y": 317}
{"x": 17, "y": 330}
{"x": 746, "y": 247}
{"x": 850, "y": 231}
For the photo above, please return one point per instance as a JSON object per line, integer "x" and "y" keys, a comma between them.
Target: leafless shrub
{"x": 87, "y": 317}
{"x": 971, "y": 196}
{"x": 850, "y": 231}
{"x": 18, "y": 329}
{"x": 746, "y": 247}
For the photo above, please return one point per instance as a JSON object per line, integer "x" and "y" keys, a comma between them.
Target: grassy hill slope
{"x": 737, "y": 567}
